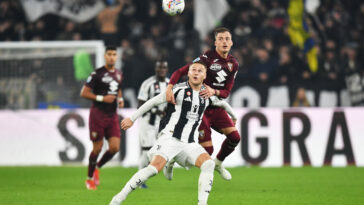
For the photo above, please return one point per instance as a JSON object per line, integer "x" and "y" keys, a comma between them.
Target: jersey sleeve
{"x": 222, "y": 103}
{"x": 224, "y": 93}
{"x": 157, "y": 100}
{"x": 178, "y": 74}
{"x": 143, "y": 92}
{"x": 91, "y": 80}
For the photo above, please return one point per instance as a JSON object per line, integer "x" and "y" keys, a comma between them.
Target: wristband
{"x": 121, "y": 99}
{"x": 99, "y": 98}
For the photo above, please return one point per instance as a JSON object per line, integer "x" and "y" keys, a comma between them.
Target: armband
{"x": 99, "y": 98}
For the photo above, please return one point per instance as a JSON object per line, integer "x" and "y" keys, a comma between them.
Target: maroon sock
{"x": 92, "y": 164}
{"x": 209, "y": 150}
{"x": 105, "y": 158}
{"x": 228, "y": 146}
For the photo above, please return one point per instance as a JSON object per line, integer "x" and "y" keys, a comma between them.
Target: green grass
{"x": 65, "y": 185}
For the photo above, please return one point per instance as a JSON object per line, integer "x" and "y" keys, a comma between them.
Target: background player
{"x": 149, "y": 122}
{"x": 103, "y": 87}
{"x": 221, "y": 71}
{"x": 178, "y": 135}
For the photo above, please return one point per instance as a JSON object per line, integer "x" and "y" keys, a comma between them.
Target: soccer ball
{"x": 173, "y": 7}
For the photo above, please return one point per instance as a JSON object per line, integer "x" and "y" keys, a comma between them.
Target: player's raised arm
{"x": 225, "y": 105}
{"x": 173, "y": 80}
{"x": 157, "y": 100}
{"x": 86, "y": 92}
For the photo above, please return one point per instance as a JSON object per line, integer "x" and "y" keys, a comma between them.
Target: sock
{"x": 105, "y": 158}
{"x": 136, "y": 180}
{"x": 91, "y": 164}
{"x": 143, "y": 161}
{"x": 228, "y": 146}
{"x": 209, "y": 150}
{"x": 205, "y": 181}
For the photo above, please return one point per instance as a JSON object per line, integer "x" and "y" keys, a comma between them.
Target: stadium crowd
{"x": 259, "y": 27}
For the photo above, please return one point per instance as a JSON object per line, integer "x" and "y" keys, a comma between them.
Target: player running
{"x": 221, "y": 72}
{"x": 103, "y": 87}
{"x": 178, "y": 134}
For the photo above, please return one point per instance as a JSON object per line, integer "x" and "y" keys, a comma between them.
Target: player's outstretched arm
{"x": 169, "y": 94}
{"x": 225, "y": 105}
{"x": 157, "y": 100}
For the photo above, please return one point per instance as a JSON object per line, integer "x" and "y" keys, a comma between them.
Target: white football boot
{"x": 168, "y": 170}
{"x": 224, "y": 173}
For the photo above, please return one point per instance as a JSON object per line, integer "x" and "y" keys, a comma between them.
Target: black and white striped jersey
{"x": 183, "y": 119}
{"x": 150, "y": 88}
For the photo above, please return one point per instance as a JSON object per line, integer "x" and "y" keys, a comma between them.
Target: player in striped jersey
{"x": 221, "y": 71}
{"x": 178, "y": 136}
{"x": 149, "y": 122}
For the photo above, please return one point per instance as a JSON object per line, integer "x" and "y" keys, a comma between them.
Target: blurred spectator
{"x": 301, "y": 99}
{"x": 107, "y": 20}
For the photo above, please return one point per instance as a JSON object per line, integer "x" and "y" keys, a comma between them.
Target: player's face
{"x": 161, "y": 69}
{"x": 196, "y": 74}
{"x": 110, "y": 58}
{"x": 223, "y": 42}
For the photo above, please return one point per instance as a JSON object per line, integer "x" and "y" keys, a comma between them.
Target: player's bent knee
{"x": 234, "y": 137}
{"x": 208, "y": 166}
{"x": 158, "y": 162}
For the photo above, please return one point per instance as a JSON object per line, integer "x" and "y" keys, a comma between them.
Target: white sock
{"x": 143, "y": 161}
{"x": 205, "y": 181}
{"x": 136, "y": 180}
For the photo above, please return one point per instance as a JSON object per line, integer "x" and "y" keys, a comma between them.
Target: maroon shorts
{"x": 215, "y": 118}
{"x": 103, "y": 125}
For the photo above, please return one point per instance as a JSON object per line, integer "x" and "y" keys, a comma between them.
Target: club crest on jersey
{"x": 188, "y": 93}
{"x": 215, "y": 67}
{"x": 106, "y": 78}
{"x": 201, "y": 134}
{"x": 94, "y": 134}
{"x": 230, "y": 66}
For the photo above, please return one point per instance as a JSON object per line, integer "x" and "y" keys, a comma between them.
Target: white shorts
{"x": 147, "y": 134}
{"x": 185, "y": 154}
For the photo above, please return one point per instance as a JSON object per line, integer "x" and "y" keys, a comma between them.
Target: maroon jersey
{"x": 104, "y": 82}
{"x": 220, "y": 74}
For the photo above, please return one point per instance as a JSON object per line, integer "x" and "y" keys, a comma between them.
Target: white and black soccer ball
{"x": 173, "y": 7}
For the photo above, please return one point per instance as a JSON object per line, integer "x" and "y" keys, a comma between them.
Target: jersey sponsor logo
{"x": 221, "y": 76}
{"x": 230, "y": 66}
{"x": 107, "y": 78}
{"x": 215, "y": 67}
{"x": 113, "y": 87}
{"x": 188, "y": 99}
{"x": 192, "y": 116}
{"x": 219, "y": 84}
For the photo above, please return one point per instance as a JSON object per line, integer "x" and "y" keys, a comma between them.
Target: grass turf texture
{"x": 65, "y": 185}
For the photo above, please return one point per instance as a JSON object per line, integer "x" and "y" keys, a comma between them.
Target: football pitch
{"x": 65, "y": 185}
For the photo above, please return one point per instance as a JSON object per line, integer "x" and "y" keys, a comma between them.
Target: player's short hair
{"x": 199, "y": 62}
{"x": 220, "y": 30}
{"x": 110, "y": 48}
